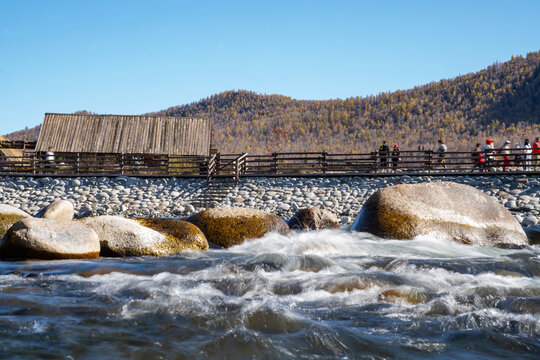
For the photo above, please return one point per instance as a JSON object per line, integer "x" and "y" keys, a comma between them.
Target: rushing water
{"x": 316, "y": 295}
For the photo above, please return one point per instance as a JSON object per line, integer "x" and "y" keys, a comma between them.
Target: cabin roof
{"x": 12, "y": 153}
{"x": 125, "y": 134}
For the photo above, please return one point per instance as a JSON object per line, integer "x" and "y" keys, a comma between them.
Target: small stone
{"x": 510, "y": 204}
{"x": 85, "y": 210}
{"x": 284, "y": 207}
{"x": 58, "y": 210}
{"x": 529, "y": 220}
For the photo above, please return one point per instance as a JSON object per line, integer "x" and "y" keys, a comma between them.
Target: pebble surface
{"x": 179, "y": 197}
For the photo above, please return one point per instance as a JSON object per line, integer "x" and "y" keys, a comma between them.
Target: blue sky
{"x": 131, "y": 57}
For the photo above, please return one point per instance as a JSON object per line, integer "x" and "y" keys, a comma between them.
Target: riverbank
{"x": 179, "y": 197}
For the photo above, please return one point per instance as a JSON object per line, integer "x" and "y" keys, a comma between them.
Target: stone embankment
{"x": 177, "y": 197}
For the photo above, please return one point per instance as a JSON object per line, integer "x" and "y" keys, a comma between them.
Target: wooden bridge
{"x": 293, "y": 164}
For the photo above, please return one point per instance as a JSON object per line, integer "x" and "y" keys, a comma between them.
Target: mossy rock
{"x": 180, "y": 235}
{"x": 9, "y": 215}
{"x": 120, "y": 237}
{"x": 444, "y": 209}
{"x": 231, "y": 226}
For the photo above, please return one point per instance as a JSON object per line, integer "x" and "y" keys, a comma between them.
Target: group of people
{"x": 518, "y": 155}
{"x": 385, "y": 155}
{"x": 486, "y": 156}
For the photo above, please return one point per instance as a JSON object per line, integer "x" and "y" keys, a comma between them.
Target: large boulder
{"x": 455, "y": 211}
{"x": 231, "y": 226}
{"x": 119, "y": 236}
{"x": 313, "y": 219}
{"x": 180, "y": 234}
{"x": 34, "y": 238}
{"x": 57, "y": 210}
{"x": 9, "y": 215}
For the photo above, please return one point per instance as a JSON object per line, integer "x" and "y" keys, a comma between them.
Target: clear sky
{"x": 132, "y": 57}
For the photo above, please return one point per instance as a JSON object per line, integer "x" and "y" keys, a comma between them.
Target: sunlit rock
{"x": 119, "y": 236}
{"x": 231, "y": 226}
{"x": 34, "y": 238}
{"x": 446, "y": 209}
{"x": 180, "y": 235}
{"x": 57, "y": 210}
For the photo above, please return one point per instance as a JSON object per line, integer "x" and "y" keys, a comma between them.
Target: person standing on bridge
{"x": 49, "y": 159}
{"x": 478, "y": 157}
{"x": 442, "y": 153}
{"x": 505, "y": 153}
{"x": 536, "y": 153}
{"x": 384, "y": 153}
{"x": 395, "y": 156}
{"x": 487, "y": 150}
{"x": 527, "y": 155}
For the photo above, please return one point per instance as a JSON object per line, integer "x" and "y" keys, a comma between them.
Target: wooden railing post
{"x": 237, "y": 170}
{"x": 274, "y": 163}
{"x": 324, "y": 162}
{"x": 429, "y": 159}
{"x": 122, "y": 163}
{"x": 374, "y": 162}
{"x": 33, "y": 163}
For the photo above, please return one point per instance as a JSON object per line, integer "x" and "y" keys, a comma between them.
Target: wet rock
{"x": 85, "y": 210}
{"x": 529, "y": 220}
{"x": 57, "y": 210}
{"x": 313, "y": 219}
{"x": 9, "y": 215}
{"x": 447, "y": 209}
{"x": 35, "y": 238}
{"x": 119, "y": 236}
{"x": 231, "y": 226}
{"x": 180, "y": 235}
{"x": 533, "y": 234}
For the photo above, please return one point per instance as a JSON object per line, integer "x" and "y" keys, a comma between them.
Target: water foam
{"x": 331, "y": 292}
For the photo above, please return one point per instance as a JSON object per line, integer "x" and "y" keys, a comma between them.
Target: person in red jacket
{"x": 478, "y": 157}
{"x": 536, "y": 153}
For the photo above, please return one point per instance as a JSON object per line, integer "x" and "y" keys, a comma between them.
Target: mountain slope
{"x": 501, "y": 102}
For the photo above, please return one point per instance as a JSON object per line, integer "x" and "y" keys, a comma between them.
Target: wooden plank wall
{"x": 125, "y": 134}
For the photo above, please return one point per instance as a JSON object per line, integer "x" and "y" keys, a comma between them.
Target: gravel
{"x": 180, "y": 197}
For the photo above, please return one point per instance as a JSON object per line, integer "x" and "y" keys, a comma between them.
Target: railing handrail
{"x": 275, "y": 164}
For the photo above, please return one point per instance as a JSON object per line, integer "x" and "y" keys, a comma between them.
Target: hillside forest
{"x": 500, "y": 102}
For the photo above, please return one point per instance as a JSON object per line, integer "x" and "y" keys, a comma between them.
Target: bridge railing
{"x": 275, "y": 164}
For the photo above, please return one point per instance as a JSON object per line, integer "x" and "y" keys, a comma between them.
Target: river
{"x": 315, "y": 295}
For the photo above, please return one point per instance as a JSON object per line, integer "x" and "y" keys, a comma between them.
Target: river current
{"x": 315, "y": 295}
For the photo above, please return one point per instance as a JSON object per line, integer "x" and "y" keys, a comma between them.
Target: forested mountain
{"x": 501, "y": 102}
{"x": 26, "y": 134}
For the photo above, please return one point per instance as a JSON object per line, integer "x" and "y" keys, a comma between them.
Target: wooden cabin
{"x": 123, "y": 134}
